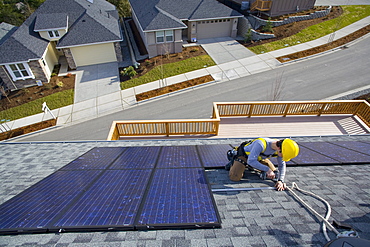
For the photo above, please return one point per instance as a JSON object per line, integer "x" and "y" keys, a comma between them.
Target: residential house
{"x": 165, "y": 24}
{"x": 86, "y": 32}
{"x": 280, "y": 7}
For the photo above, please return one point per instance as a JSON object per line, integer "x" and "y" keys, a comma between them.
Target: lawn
{"x": 351, "y": 14}
{"x": 54, "y": 101}
{"x": 170, "y": 69}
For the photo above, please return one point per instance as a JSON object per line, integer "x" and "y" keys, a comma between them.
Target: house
{"x": 280, "y": 7}
{"x": 86, "y": 32}
{"x": 165, "y": 24}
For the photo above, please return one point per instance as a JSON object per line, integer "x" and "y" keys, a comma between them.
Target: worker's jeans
{"x": 237, "y": 169}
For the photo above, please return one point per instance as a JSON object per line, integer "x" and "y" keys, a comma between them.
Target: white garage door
{"x": 214, "y": 29}
{"x": 94, "y": 54}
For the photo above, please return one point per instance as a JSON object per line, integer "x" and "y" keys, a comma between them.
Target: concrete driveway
{"x": 224, "y": 50}
{"x": 96, "y": 80}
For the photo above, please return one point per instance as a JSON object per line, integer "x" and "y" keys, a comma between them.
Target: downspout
{"x": 132, "y": 54}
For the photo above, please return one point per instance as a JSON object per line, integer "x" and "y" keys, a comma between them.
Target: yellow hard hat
{"x": 289, "y": 149}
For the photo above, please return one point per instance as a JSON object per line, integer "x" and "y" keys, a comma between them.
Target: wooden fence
{"x": 119, "y": 129}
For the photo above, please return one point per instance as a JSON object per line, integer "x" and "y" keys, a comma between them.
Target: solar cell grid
{"x": 213, "y": 155}
{"x": 308, "y": 157}
{"x": 360, "y": 147}
{"x": 178, "y": 156}
{"x": 37, "y": 206}
{"x": 113, "y": 200}
{"x": 137, "y": 157}
{"x": 338, "y": 153}
{"x": 179, "y": 197}
{"x": 96, "y": 158}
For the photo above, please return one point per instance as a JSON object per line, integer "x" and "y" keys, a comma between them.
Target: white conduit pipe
{"x": 325, "y": 220}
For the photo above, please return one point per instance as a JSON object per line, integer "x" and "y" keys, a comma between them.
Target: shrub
{"x": 130, "y": 71}
{"x": 268, "y": 27}
{"x": 60, "y": 84}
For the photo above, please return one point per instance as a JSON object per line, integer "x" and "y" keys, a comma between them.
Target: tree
{"x": 248, "y": 36}
{"x": 268, "y": 27}
{"x": 123, "y": 7}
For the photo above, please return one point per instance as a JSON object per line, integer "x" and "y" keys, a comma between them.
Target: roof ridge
{"x": 168, "y": 14}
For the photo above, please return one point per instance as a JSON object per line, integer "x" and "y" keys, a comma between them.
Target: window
{"x": 169, "y": 36}
{"x": 160, "y": 36}
{"x": 53, "y": 34}
{"x": 19, "y": 71}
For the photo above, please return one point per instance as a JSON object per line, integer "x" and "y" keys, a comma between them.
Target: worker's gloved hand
{"x": 280, "y": 186}
{"x": 270, "y": 174}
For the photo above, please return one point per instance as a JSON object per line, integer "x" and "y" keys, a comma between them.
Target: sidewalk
{"x": 120, "y": 100}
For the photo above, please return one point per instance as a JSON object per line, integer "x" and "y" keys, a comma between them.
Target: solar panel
{"x": 178, "y": 156}
{"x": 361, "y": 147}
{"x": 112, "y": 202}
{"x": 179, "y": 197}
{"x": 104, "y": 155}
{"x": 308, "y": 157}
{"x": 213, "y": 156}
{"x": 137, "y": 157}
{"x": 36, "y": 207}
{"x": 340, "y": 154}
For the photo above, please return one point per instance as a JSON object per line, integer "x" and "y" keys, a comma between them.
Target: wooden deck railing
{"x": 119, "y": 129}
{"x": 261, "y": 5}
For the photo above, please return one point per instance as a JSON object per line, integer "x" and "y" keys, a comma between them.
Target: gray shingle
{"x": 169, "y": 14}
{"x": 88, "y": 23}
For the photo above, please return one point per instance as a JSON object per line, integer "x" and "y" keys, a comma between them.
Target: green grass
{"x": 169, "y": 70}
{"x": 53, "y": 101}
{"x": 351, "y": 14}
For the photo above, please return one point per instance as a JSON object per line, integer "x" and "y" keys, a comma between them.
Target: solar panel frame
{"x": 213, "y": 156}
{"x": 110, "y": 203}
{"x": 106, "y": 156}
{"x": 160, "y": 211}
{"x": 178, "y": 157}
{"x": 33, "y": 209}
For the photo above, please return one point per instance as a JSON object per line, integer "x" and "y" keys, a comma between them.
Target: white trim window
{"x": 54, "y": 34}
{"x": 169, "y": 36}
{"x": 19, "y": 71}
{"x": 159, "y": 35}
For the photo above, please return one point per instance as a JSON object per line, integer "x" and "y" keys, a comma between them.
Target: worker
{"x": 255, "y": 154}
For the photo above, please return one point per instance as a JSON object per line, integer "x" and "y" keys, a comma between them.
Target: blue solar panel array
{"x": 96, "y": 158}
{"x": 112, "y": 200}
{"x": 338, "y": 153}
{"x": 37, "y": 207}
{"x": 214, "y": 156}
{"x": 179, "y": 156}
{"x": 127, "y": 188}
{"x": 178, "y": 196}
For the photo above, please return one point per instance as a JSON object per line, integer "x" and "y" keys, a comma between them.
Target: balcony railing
{"x": 120, "y": 129}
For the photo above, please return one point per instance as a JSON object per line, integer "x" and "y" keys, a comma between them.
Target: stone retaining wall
{"x": 257, "y": 22}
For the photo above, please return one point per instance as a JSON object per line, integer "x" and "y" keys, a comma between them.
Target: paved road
{"x": 312, "y": 79}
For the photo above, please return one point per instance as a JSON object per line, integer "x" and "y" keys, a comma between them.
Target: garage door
{"x": 214, "y": 29}
{"x": 94, "y": 54}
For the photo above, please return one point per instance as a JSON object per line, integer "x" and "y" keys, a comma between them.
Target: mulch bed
{"x": 326, "y": 47}
{"x": 174, "y": 87}
{"x": 28, "y": 129}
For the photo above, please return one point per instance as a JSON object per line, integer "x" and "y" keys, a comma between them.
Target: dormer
{"x": 51, "y": 26}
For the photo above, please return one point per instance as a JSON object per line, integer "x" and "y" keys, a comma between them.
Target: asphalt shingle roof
{"x": 253, "y": 218}
{"x": 88, "y": 23}
{"x": 151, "y": 14}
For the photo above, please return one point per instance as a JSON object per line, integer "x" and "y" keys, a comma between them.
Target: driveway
{"x": 224, "y": 50}
{"x": 96, "y": 80}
